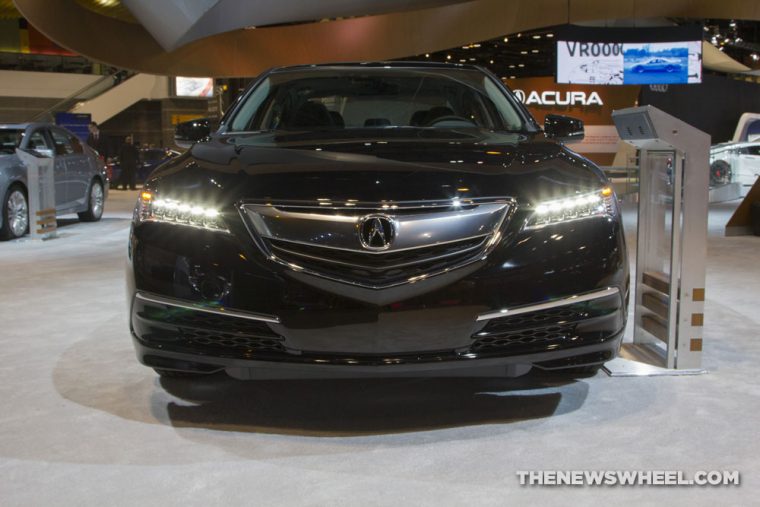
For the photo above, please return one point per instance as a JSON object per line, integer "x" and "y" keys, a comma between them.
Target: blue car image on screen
{"x": 658, "y": 65}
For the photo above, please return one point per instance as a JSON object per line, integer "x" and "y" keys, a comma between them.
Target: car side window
{"x": 62, "y": 144}
{"x": 38, "y": 141}
{"x": 76, "y": 144}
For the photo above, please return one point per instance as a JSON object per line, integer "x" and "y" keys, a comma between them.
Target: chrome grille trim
{"x": 341, "y": 231}
{"x": 578, "y": 298}
{"x": 276, "y": 248}
{"x": 502, "y": 207}
{"x": 197, "y": 307}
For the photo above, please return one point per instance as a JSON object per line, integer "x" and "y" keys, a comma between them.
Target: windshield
{"x": 358, "y": 98}
{"x": 10, "y": 139}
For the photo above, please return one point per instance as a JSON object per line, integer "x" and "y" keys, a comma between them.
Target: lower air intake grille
{"x": 208, "y": 338}
{"x": 538, "y": 337}
{"x": 182, "y": 327}
{"x": 547, "y": 329}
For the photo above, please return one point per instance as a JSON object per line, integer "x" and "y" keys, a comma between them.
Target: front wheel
{"x": 95, "y": 202}
{"x": 720, "y": 173}
{"x": 15, "y": 214}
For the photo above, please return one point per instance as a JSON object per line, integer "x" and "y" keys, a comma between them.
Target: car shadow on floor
{"x": 366, "y": 406}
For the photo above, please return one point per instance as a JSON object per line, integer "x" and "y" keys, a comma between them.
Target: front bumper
{"x": 574, "y": 331}
{"x": 264, "y": 317}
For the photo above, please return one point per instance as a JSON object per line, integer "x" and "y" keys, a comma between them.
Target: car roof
{"x": 381, "y": 64}
{"x": 25, "y": 125}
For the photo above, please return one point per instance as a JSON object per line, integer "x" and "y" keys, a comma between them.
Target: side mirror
{"x": 563, "y": 128}
{"x": 45, "y": 152}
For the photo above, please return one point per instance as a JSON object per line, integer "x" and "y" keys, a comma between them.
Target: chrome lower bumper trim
{"x": 578, "y": 298}
{"x": 197, "y": 307}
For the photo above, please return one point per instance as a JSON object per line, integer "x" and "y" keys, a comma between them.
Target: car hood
{"x": 376, "y": 166}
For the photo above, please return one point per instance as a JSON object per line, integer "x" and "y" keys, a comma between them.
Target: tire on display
{"x": 720, "y": 173}
{"x": 15, "y": 210}
{"x": 95, "y": 201}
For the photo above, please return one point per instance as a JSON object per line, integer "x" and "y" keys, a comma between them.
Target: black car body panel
{"x": 204, "y": 300}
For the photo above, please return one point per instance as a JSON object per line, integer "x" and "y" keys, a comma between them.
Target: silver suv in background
{"x": 81, "y": 185}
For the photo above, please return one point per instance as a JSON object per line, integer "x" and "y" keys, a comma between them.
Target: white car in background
{"x": 735, "y": 163}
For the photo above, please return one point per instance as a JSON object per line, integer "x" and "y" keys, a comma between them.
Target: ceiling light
{"x": 506, "y": 39}
{"x": 521, "y": 65}
{"x": 448, "y": 57}
{"x": 523, "y": 52}
{"x": 536, "y": 36}
{"x": 534, "y": 50}
{"x": 550, "y": 35}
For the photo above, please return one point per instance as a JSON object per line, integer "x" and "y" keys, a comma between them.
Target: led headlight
{"x": 575, "y": 207}
{"x": 155, "y": 209}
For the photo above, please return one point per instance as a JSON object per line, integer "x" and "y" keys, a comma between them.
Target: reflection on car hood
{"x": 377, "y": 165}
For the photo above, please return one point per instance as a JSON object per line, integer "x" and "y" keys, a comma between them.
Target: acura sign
{"x": 555, "y": 98}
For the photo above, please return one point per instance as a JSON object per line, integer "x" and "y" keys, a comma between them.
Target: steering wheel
{"x": 450, "y": 117}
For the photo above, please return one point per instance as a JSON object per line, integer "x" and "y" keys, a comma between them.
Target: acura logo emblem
{"x": 376, "y": 232}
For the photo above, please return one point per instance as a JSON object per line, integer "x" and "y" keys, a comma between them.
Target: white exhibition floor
{"x": 82, "y": 423}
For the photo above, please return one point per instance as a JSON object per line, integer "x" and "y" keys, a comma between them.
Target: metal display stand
{"x": 671, "y": 245}
{"x": 40, "y": 178}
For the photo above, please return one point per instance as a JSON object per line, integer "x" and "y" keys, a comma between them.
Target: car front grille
{"x": 521, "y": 339}
{"x": 243, "y": 342}
{"x": 429, "y": 238}
{"x": 375, "y": 270}
{"x": 544, "y": 329}
{"x": 202, "y": 331}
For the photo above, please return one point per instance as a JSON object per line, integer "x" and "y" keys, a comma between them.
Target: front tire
{"x": 95, "y": 201}
{"x": 720, "y": 173}
{"x": 15, "y": 213}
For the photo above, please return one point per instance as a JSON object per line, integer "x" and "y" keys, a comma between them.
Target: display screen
{"x": 194, "y": 86}
{"x": 615, "y": 63}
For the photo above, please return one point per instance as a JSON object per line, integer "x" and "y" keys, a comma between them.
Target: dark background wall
{"x": 714, "y": 106}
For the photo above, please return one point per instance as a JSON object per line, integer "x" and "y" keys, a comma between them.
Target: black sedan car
{"x": 378, "y": 219}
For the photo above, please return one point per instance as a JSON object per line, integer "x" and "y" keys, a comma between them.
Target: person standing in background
{"x": 128, "y": 159}
{"x": 96, "y": 141}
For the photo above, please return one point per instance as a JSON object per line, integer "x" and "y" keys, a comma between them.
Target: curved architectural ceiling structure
{"x": 196, "y": 19}
{"x": 228, "y": 50}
